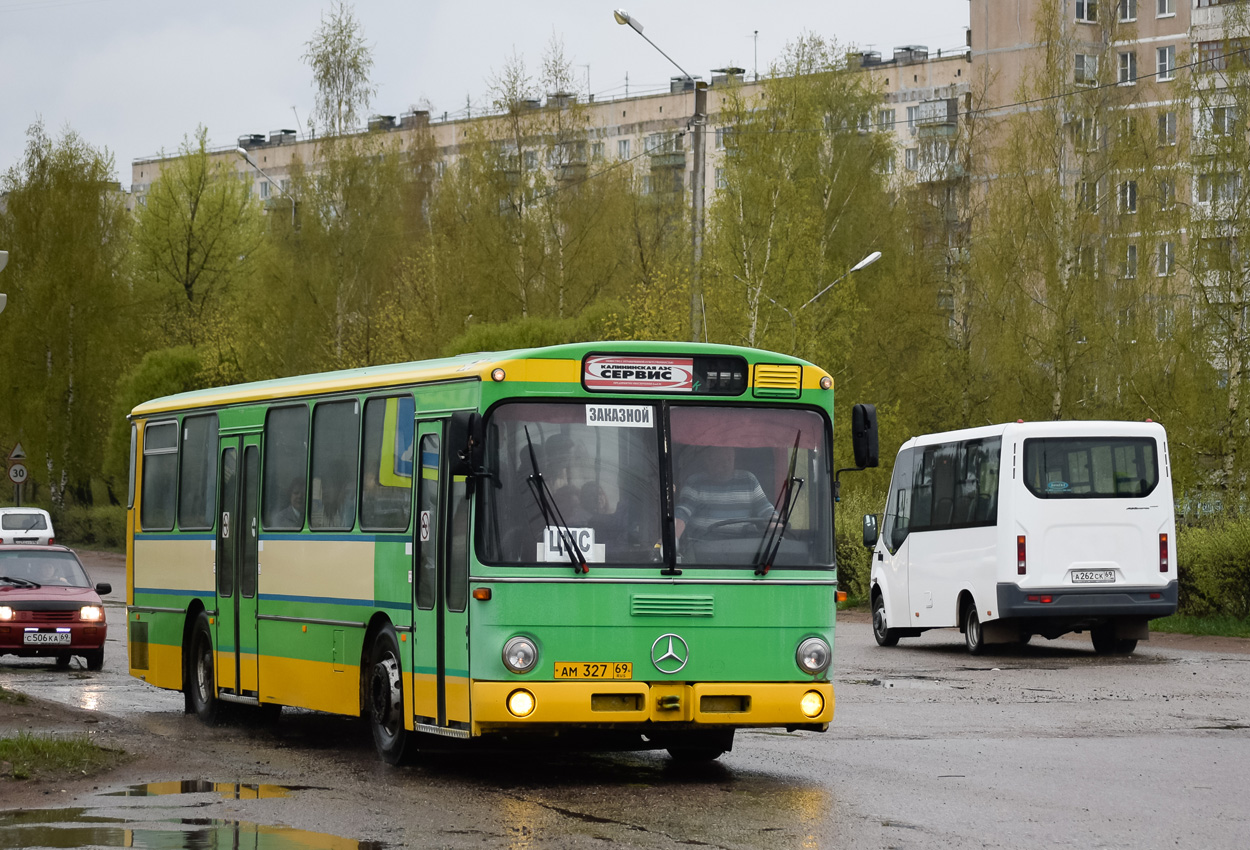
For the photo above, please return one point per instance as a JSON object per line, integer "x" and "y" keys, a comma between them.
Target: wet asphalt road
{"x": 1042, "y": 746}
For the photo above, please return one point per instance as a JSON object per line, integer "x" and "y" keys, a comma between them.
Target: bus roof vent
{"x": 777, "y": 380}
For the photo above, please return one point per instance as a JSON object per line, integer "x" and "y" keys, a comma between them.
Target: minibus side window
{"x": 897, "y": 508}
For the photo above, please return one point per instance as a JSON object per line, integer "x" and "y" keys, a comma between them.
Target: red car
{"x": 48, "y": 607}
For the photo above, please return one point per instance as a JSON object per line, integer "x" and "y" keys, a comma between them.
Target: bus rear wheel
{"x": 386, "y": 698}
{"x": 1105, "y": 642}
{"x": 973, "y": 639}
{"x": 885, "y": 636}
{"x": 201, "y": 680}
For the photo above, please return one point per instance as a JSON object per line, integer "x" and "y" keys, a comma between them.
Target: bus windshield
{"x": 1091, "y": 467}
{"x": 747, "y": 483}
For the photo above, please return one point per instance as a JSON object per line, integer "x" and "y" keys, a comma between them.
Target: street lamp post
{"x": 698, "y": 124}
{"x": 243, "y": 153}
{"x": 794, "y": 319}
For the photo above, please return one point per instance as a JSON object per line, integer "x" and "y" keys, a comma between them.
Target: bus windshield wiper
{"x": 20, "y": 582}
{"x": 770, "y": 543}
{"x": 551, "y": 511}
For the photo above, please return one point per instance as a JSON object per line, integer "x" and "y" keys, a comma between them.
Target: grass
{"x": 13, "y": 697}
{"x": 1185, "y": 624}
{"x": 53, "y": 757}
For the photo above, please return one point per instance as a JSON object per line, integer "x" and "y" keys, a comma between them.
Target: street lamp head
{"x": 622, "y": 17}
{"x": 867, "y": 261}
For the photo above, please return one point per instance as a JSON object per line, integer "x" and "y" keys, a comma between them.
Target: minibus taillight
{"x": 1163, "y": 553}
{"x": 1020, "y": 569}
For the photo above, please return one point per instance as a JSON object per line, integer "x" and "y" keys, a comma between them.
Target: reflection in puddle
{"x": 86, "y": 827}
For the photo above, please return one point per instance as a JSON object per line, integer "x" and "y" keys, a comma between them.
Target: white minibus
{"x": 1029, "y": 528}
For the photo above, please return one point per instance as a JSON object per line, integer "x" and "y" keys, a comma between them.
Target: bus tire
{"x": 701, "y": 747}
{"x": 884, "y": 635}
{"x": 973, "y": 638}
{"x": 201, "y": 683}
{"x": 1106, "y": 643}
{"x": 386, "y": 698}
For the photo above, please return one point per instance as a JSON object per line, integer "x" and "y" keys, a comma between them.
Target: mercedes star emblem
{"x": 669, "y": 653}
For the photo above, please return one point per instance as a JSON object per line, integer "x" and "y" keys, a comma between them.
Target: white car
{"x": 26, "y": 525}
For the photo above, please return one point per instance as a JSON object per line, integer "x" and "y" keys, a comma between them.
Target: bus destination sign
{"x": 639, "y": 374}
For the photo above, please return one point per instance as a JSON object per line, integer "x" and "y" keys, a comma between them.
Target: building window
{"x": 1218, "y": 187}
{"x": 1085, "y": 133}
{"x": 1087, "y": 195}
{"x": 887, "y": 167}
{"x": 1087, "y": 11}
{"x": 885, "y": 119}
{"x": 1128, "y": 197}
{"x": 1128, "y": 10}
{"x": 913, "y": 112}
{"x": 1167, "y": 129}
{"x": 911, "y": 158}
{"x": 1128, "y": 68}
{"x": 1128, "y": 128}
{"x": 596, "y": 150}
{"x": 1086, "y": 69}
{"x": 721, "y": 182}
{"x": 1165, "y": 7}
{"x": 622, "y": 149}
{"x": 1222, "y": 120}
{"x": 1129, "y": 267}
{"x": 1167, "y": 194}
{"x": 264, "y": 190}
{"x": 1165, "y": 63}
{"x": 1167, "y": 259}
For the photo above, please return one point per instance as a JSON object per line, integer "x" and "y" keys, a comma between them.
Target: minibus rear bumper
{"x": 1086, "y": 602}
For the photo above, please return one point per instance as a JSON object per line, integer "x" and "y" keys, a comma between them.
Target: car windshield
{"x": 1091, "y": 467}
{"x": 23, "y": 522}
{"x": 47, "y": 568}
{"x": 735, "y": 472}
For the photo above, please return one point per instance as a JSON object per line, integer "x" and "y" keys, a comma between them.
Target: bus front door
{"x": 440, "y": 663}
{"x": 238, "y": 566}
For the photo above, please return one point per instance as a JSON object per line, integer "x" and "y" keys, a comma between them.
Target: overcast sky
{"x": 136, "y": 76}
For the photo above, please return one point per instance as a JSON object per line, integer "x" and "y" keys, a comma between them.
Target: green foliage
{"x": 54, "y": 756}
{"x": 1185, "y": 624}
{"x": 854, "y": 559}
{"x": 1214, "y": 569}
{"x": 340, "y": 61}
{"x": 595, "y": 323}
{"x": 96, "y": 525}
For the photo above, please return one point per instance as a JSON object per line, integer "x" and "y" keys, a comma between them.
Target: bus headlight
{"x": 91, "y": 613}
{"x": 520, "y": 655}
{"x": 813, "y": 656}
{"x": 521, "y": 703}
{"x": 812, "y": 704}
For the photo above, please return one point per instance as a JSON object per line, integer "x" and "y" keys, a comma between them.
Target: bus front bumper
{"x": 617, "y": 704}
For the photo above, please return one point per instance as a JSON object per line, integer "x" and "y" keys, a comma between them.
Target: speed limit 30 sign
{"x": 17, "y": 473}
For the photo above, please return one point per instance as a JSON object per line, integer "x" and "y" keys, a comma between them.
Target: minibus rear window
{"x": 1091, "y": 467}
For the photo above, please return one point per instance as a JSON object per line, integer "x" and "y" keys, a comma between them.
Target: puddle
{"x": 119, "y": 824}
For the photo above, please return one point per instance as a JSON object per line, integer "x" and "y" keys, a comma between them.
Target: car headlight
{"x": 91, "y": 613}
{"x": 813, "y": 656}
{"x": 520, "y": 655}
{"x": 6, "y": 613}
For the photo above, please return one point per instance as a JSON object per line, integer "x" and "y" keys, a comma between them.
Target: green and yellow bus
{"x": 628, "y": 545}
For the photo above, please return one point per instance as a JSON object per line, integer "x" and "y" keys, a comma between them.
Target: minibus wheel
{"x": 1105, "y": 642}
{"x": 973, "y": 638}
{"x": 884, "y": 635}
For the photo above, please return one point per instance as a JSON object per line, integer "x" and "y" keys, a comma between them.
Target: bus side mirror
{"x": 467, "y": 439}
{"x": 870, "y": 530}
{"x": 864, "y": 435}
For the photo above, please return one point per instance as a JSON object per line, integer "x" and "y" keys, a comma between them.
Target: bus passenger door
{"x": 440, "y": 669}
{"x": 237, "y": 565}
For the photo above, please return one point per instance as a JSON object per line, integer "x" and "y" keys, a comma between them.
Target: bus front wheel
{"x": 386, "y": 698}
{"x": 884, "y": 635}
{"x": 201, "y": 682}
{"x": 973, "y": 638}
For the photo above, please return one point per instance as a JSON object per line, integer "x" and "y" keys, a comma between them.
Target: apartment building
{"x": 920, "y": 102}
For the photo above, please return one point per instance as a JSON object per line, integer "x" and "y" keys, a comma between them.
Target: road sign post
{"x": 17, "y": 472}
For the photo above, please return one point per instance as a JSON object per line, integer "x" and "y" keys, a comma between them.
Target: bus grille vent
{"x": 777, "y": 380}
{"x": 652, "y": 605}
